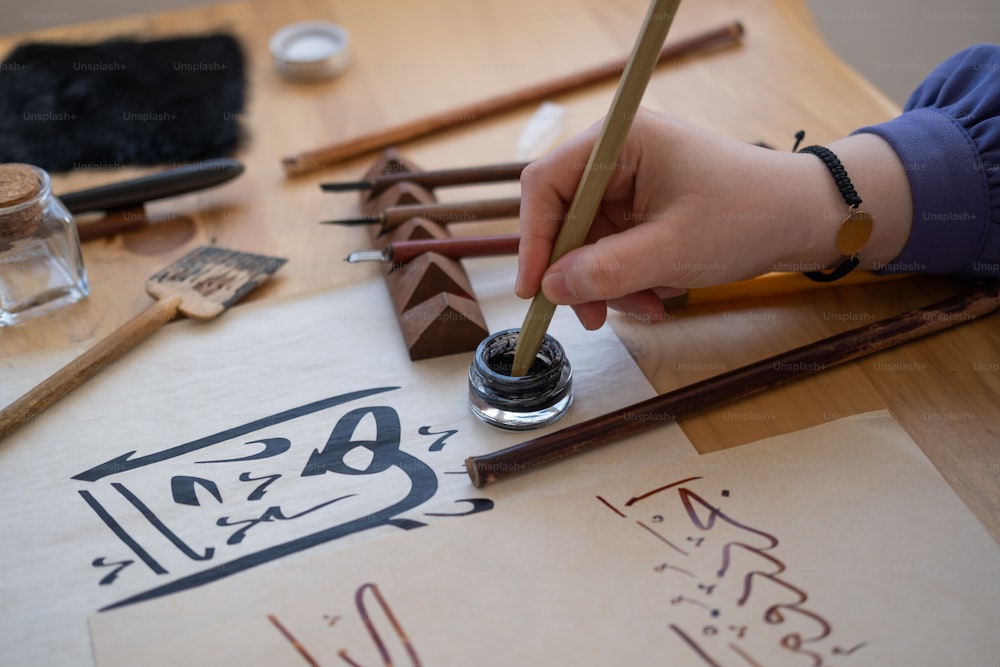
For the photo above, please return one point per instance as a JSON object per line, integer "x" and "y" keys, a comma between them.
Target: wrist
{"x": 813, "y": 210}
{"x": 816, "y": 206}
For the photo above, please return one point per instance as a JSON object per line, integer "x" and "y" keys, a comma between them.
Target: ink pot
{"x": 41, "y": 267}
{"x": 519, "y": 403}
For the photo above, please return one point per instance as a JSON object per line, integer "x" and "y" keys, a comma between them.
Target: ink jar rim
{"x": 21, "y": 218}
{"x": 519, "y": 403}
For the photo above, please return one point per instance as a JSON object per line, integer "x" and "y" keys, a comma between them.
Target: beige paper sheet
{"x": 838, "y": 545}
{"x": 182, "y": 465}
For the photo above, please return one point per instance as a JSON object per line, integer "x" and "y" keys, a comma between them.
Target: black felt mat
{"x": 104, "y": 105}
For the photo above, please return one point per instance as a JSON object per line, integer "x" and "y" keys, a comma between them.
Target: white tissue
{"x": 544, "y": 129}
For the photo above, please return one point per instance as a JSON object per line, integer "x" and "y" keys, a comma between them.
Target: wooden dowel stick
{"x": 598, "y": 169}
{"x": 87, "y": 365}
{"x": 739, "y": 383}
{"x": 445, "y": 213}
{"x": 316, "y": 159}
{"x": 487, "y": 173}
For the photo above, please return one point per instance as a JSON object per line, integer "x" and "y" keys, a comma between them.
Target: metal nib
{"x": 366, "y": 256}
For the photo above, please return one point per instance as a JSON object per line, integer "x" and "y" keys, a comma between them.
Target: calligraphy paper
{"x": 214, "y": 449}
{"x": 838, "y": 545}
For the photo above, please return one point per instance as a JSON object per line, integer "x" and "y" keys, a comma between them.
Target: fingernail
{"x": 556, "y": 287}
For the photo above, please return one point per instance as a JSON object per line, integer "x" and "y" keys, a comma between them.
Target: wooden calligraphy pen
{"x": 488, "y": 173}
{"x": 458, "y": 247}
{"x": 487, "y": 209}
{"x": 727, "y": 35}
{"x": 598, "y": 170}
{"x": 714, "y": 392}
{"x": 130, "y": 195}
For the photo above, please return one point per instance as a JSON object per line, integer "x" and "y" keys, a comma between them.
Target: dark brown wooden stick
{"x": 738, "y": 383}
{"x": 459, "y": 247}
{"x": 114, "y": 222}
{"x": 487, "y": 173}
{"x": 394, "y": 216}
{"x": 315, "y": 159}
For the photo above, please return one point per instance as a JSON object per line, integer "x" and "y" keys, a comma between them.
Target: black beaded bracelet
{"x": 856, "y": 228}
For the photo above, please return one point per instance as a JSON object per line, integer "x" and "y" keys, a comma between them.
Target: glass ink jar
{"x": 41, "y": 267}
{"x": 519, "y": 403}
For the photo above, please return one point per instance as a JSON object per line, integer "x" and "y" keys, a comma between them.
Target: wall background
{"x": 893, "y": 43}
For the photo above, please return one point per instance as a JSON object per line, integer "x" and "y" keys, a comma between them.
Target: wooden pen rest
{"x": 433, "y": 298}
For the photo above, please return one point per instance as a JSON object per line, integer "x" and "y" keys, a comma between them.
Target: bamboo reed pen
{"x": 307, "y": 161}
{"x": 597, "y": 172}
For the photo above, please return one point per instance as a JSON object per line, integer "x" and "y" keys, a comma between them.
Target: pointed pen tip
{"x": 365, "y": 256}
{"x": 346, "y": 186}
{"x": 353, "y": 222}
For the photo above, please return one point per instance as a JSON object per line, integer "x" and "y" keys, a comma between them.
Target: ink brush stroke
{"x": 976, "y": 302}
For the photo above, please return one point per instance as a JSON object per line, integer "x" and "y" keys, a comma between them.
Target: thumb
{"x": 628, "y": 262}
{"x": 589, "y": 273}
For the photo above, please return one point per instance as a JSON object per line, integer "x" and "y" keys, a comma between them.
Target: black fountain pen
{"x": 137, "y": 191}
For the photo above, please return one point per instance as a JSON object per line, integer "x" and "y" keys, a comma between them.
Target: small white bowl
{"x": 311, "y": 51}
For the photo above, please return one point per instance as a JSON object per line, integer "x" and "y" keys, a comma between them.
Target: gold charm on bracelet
{"x": 854, "y": 232}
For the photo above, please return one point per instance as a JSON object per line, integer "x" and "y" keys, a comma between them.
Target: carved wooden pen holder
{"x": 437, "y": 310}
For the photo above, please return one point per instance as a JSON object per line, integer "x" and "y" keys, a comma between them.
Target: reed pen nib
{"x": 346, "y": 186}
{"x": 366, "y": 256}
{"x": 354, "y": 222}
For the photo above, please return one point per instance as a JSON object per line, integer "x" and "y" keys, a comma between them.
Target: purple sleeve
{"x": 948, "y": 139}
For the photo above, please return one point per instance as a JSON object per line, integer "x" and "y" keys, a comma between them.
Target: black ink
{"x": 385, "y": 448}
{"x": 160, "y": 526}
{"x": 182, "y": 489}
{"x": 272, "y": 447}
{"x": 272, "y": 513}
{"x": 478, "y": 505}
{"x": 386, "y": 456}
{"x": 111, "y": 576}
{"x": 124, "y": 462}
{"x": 438, "y": 444}
{"x": 121, "y": 534}
{"x": 259, "y": 492}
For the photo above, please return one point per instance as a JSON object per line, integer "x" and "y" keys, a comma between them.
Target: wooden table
{"x": 414, "y": 59}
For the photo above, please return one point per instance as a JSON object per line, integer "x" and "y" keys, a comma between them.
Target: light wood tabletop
{"x": 415, "y": 59}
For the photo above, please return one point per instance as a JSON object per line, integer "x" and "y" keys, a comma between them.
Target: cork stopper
{"x": 19, "y": 183}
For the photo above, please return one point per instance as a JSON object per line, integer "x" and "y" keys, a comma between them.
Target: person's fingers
{"x": 617, "y": 265}
{"x": 592, "y": 315}
{"x": 643, "y": 306}
{"x": 547, "y": 187}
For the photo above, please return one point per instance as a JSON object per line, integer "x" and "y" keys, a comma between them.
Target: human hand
{"x": 684, "y": 208}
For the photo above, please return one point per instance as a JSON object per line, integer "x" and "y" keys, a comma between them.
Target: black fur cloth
{"x": 104, "y": 105}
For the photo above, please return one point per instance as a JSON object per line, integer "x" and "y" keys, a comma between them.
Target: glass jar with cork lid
{"x": 41, "y": 267}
